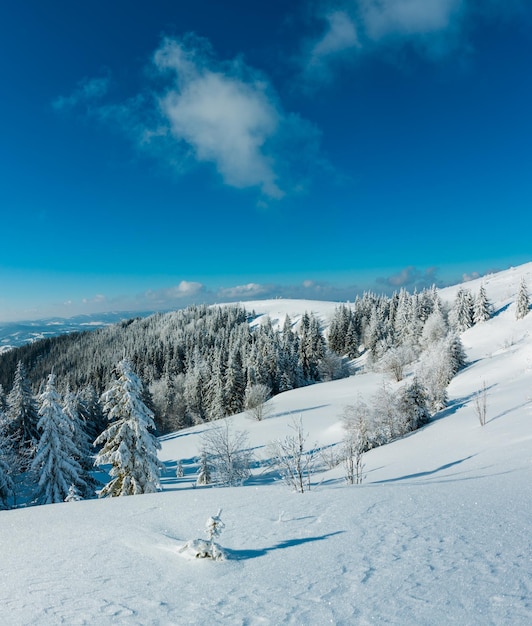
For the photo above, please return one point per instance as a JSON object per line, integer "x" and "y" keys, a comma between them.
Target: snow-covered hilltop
{"x": 438, "y": 532}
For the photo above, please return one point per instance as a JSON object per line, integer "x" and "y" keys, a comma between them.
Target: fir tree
{"x": 90, "y": 412}
{"x": 82, "y": 442}
{"x": 462, "y": 313}
{"x": 522, "y": 303}
{"x": 55, "y": 460}
{"x": 73, "y": 494}
{"x": 455, "y": 353}
{"x": 22, "y": 412}
{"x": 482, "y": 307}
{"x": 204, "y": 472}
{"x": 7, "y": 487}
{"x": 128, "y": 444}
{"x": 412, "y": 406}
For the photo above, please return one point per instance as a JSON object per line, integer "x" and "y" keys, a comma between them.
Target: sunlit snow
{"x": 438, "y": 533}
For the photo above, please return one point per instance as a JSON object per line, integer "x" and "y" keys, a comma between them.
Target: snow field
{"x": 438, "y": 533}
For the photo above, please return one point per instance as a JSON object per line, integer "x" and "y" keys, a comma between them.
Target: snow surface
{"x": 438, "y": 533}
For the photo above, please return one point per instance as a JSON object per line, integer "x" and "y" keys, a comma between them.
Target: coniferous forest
{"x": 203, "y": 363}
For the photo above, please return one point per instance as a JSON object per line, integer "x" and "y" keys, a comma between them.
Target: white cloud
{"x": 185, "y": 289}
{"x": 251, "y": 290}
{"x": 411, "y": 277}
{"x": 97, "y": 299}
{"x": 339, "y": 37}
{"x": 225, "y": 117}
{"x": 357, "y": 27}
{"x": 196, "y": 108}
{"x": 407, "y": 18}
{"x": 86, "y": 93}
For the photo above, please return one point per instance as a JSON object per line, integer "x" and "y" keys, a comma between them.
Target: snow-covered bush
{"x": 290, "y": 458}
{"x": 255, "y": 400}
{"x": 228, "y": 454}
{"x": 207, "y": 549}
{"x": 394, "y": 360}
{"x": 355, "y": 441}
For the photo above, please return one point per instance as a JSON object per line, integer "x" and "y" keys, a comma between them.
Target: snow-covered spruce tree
{"x": 204, "y": 472}
{"x": 55, "y": 460}
{"x": 455, "y": 353}
{"x": 522, "y": 303}
{"x": 462, "y": 312}
{"x": 22, "y": 413}
{"x": 482, "y": 307}
{"x": 311, "y": 347}
{"x": 90, "y": 412}
{"x": 82, "y": 443}
{"x": 127, "y": 443}
{"x": 412, "y": 406}
{"x": 201, "y": 549}
{"x": 73, "y": 494}
{"x": 7, "y": 487}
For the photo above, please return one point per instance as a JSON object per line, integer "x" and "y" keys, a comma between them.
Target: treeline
{"x": 204, "y": 363}
{"x": 198, "y": 364}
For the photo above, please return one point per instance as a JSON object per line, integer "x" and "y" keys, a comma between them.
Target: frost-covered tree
{"x": 455, "y": 353}
{"x": 7, "y": 486}
{"x": 435, "y": 371}
{"x": 412, "y": 406}
{"x": 255, "y": 401}
{"x": 522, "y": 303}
{"x": 22, "y": 411}
{"x": 228, "y": 453}
{"x": 435, "y": 329}
{"x": 332, "y": 366}
{"x": 311, "y": 347}
{"x": 82, "y": 442}
{"x": 386, "y": 421}
{"x": 201, "y": 549}
{"x": 292, "y": 460}
{"x": 394, "y": 360}
{"x": 90, "y": 412}
{"x": 128, "y": 443}
{"x": 482, "y": 307}
{"x": 462, "y": 312}
{"x": 204, "y": 472}
{"x": 355, "y": 441}
{"x": 55, "y": 460}
{"x": 73, "y": 494}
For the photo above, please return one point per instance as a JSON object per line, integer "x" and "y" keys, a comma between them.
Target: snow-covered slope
{"x": 438, "y": 533}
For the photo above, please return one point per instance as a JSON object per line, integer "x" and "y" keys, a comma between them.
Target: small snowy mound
{"x": 202, "y": 549}
{"x": 206, "y": 549}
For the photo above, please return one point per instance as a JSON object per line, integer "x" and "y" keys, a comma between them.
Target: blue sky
{"x": 158, "y": 154}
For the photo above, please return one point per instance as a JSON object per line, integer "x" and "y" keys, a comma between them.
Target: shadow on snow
{"x": 242, "y": 555}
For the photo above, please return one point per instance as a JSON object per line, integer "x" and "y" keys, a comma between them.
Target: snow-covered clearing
{"x": 438, "y": 533}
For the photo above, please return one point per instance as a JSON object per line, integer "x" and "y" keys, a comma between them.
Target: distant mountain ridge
{"x": 16, "y": 334}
